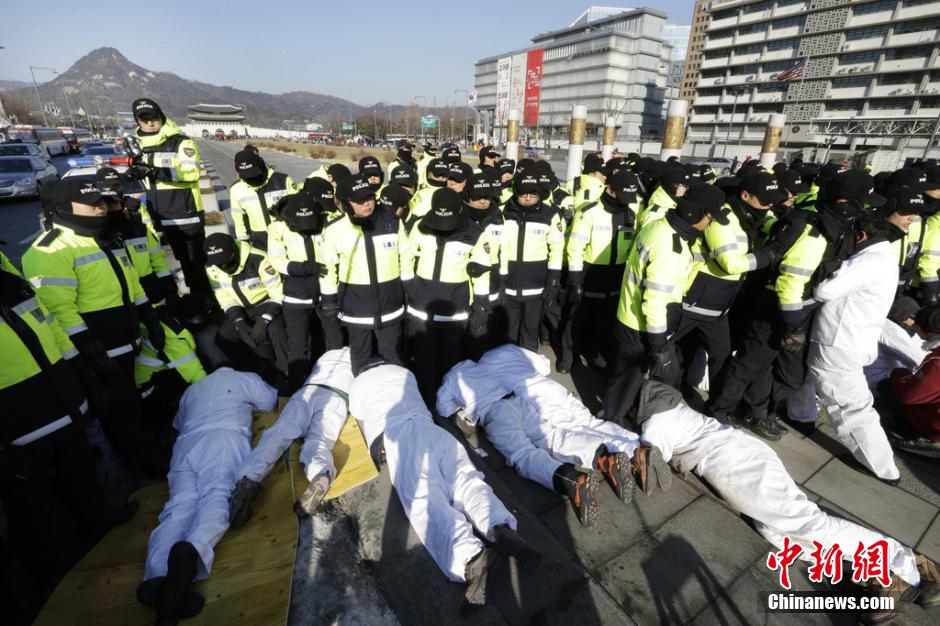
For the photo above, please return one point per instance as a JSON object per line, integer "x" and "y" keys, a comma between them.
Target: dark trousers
{"x": 54, "y": 509}
{"x": 522, "y": 322}
{"x": 435, "y": 348}
{"x": 244, "y": 357}
{"x": 629, "y": 366}
{"x": 309, "y": 335}
{"x": 760, "y": 374}
{"x": 715, "y": 335}
{"x": 368, "y": 345}
{"x": 187, "y": 248}
{"x": 585, "y": 330}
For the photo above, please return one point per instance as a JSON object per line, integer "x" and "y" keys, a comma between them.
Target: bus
{"x": 50, "y": 139}
{"x": 75, "y": 137}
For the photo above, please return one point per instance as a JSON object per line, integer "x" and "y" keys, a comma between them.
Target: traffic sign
{"x": 429, "y": 121}
{"x": 347, "y": 126}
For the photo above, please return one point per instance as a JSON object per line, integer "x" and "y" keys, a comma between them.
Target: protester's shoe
{"x": 580, "y": 488}
{"x": 563, "y": 367}
{"x": 920, "y": 446}
{"x": 900, "y": 591}
{"x": 764, "y": 429}
{"x": 190, "y": 606}
{"x": 309, "y": 501}
{"x": 239, "y": 503}
{"x": 776, "y": 425}
{"x": 729, "y": 419}
{"x": 618, "y": 471}
{"x": 804, "y": 428}
{"x": 510, "y": 543}
{"x": 929, "y": 581}
{"x": 650, "y": 469}
{"x": 475, "y": 573}
{"x": 181, "y": 570}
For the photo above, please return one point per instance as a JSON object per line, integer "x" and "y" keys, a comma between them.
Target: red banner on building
{"x": 533, "y": 87}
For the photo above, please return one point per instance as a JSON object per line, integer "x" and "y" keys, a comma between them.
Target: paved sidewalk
{"x": 676, "y": 557}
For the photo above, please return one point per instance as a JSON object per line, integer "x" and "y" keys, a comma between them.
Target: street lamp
{"x": 737, "y": 93}
{"x": 42, "y": 110}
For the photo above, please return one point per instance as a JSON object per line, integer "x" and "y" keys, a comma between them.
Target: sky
{"x": 366, "y": 51}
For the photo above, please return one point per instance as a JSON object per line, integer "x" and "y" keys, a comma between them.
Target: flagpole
{"x": 786, "y": 139}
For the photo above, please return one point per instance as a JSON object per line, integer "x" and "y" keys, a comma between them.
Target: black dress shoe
{"x": 765, "y": 430}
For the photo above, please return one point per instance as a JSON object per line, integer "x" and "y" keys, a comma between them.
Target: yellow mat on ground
{"x": 251, "y": 577}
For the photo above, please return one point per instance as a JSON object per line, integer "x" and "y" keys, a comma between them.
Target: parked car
{"x": 23, "y": 149}
{"x": 105, "y": 150}
{"x": 87, "y": 172}
{"x": 23, "y": 177}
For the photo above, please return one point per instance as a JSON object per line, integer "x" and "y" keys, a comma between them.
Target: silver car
{"x": 23, "y": 177}
{"x": 24, "y": 149}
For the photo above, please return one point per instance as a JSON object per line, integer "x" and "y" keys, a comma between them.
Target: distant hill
{"x": 7, "y": 85}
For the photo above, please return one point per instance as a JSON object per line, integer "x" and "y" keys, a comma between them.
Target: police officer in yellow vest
{"x": 597, "y": 249}
{"x": 295, "y": 251}
{"x": 488, "y": 159}
{"x": 506, "y": 169}
{"x": 46, "y": 463}
{"x": 670, "y": 186}
{"x": 436, "y": 177}
{"x": 404, "y": 156}
{"x": 169, "y": 168}
{"x": 589, "y": 186}
{"x": 249, "y": 290}
{"x": 330, "y": 173}
{"x": 83, "y": 274}
{"x": 903, "y": 212}
{"x": 252, "y": 198}
{"x": 450, "y": 288}
{"x": 369, "y": 260}
{"x": 140, "y": 240}
{"x": 430, "y": 153}
{"x": 405, "y": 177}
{"x": 654, "y": 280}
{"x": 481, "y": 206}
{"x": 371, "y": 169}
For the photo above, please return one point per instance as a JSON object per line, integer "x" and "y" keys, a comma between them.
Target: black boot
{"x": 239, "y": 503}
{"x": 181, "y": 570}
{"x": 580, "y": 488}
{"x": 510, "y": 543}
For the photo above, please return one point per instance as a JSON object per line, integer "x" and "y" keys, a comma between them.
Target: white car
{"x": 89, "y": 172}
{"x": 23, "y": 176}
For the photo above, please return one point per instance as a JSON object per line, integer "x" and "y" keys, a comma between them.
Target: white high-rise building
{"x": 870, "y": 77}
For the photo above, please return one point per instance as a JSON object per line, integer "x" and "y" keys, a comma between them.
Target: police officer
{"x": 457, "y": 176}
{"x": 395, "y": 199}
{"x": 330, "y": 173}
{"x": 254, "y": 195}
{"x": 436, "y": 177}
{"x": 589, "y": 186}
{"x": 481, "y": 207}
{"x": 84, "y": 276}
{"x": 45, "y": 459}
{"x": 531, "y": 255}
{"x": 450, "y": 155}
{"x": 369, "y": 261}
{"x": 429, "y": 153}
{"x": 450, "y": 288}
{"x": 778, "y": 316}
{"x": 596, "y": 252}
{"x": 404, "y": 156}
{"x": 169, "y": 168}
{"x": 249, "y": 290}
{"x": 654, "y": 280}
{"x": 371, "y": 169}
{"x": 488, "y": 158}
{"x": 506, "y": 169}
{"x": 294, "y": 250}
{"x": 406, "y": 177}
{"x": 729, "y": 249}
{"x": 140, "y": 240}
{"x": 670, "y": 186}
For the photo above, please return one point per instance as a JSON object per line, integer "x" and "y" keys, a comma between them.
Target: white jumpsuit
{"x": 749, "y": 475}
{"x": 317, "y": 412}
{"x": 443, "y": 494}
{"x": 844, "y": 340}
{"x": 214, "y": 424}
{"x": 539, "y": 428}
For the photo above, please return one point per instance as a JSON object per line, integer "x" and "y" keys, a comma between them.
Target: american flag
{"x": 794, "y": 72}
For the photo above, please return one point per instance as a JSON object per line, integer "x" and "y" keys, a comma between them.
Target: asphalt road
{"x": 222, "y": 155}
{"x": 19, "y": 219}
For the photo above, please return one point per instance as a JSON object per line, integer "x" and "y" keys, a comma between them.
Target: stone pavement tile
{"x": 619, "y": 525}
{"x": 801, "y": 456}
{"x": 537, "y": 498}
{"x": 920, "y": 476}
{"x": 929, "y": 546}
{"x": 889, "y": 509}
{"x": 672, "y": 575}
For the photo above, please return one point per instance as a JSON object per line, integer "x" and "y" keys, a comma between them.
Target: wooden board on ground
{"x": 251, "y": 577}
{"x": 351, "y": 457}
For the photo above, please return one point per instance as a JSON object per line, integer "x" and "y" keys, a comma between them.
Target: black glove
{"x": 929, "y": 293}
{"x": 259, "y": 331}
{"x": 773, "y": 251}
{"x": 91, "y": 386}
{"x": 479, "y": 315}
{"x": 475, "y": 270}
{"x": 550, "y": 292}
{"x": 575, "y": 294}
{"x": 169, "y": 286}
{"x": 793, "y": 341}
{"x": 138, "y": 171}
{"x": 663, "y": 362}
{"x": 243, "y": 328}
{"x": 151, "y": 321}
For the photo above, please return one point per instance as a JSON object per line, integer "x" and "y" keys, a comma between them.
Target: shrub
{"x": 330, "y": 154}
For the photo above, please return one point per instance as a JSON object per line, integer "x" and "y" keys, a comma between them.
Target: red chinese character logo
{"x": 871, "y": 562}
{"x": 782, "y": 560}
{"x": 826, "y": 563}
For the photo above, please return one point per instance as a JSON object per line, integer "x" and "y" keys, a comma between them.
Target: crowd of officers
{"x": 633, "y": 267}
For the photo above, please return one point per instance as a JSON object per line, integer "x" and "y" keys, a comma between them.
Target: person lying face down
{"x": 545, "y": 432}
{"x": 443, "y": 494}
{"x": 750, "y": 476}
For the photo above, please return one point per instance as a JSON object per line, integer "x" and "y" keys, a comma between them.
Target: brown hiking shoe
{"x": 929, "y": 581}
{"x": 583, "y": 500}
{"x": 618, "y": 471}
{"x": 900, "y": 591}
{"x": 650, "y": 469}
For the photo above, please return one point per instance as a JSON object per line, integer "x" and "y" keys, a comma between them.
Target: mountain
{"x": 7, "y": 85}
{"x": 105, "y": 80}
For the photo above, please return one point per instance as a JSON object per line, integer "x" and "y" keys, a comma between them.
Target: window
{"x": 866, "y": 33}
{"x": 771, "y": 87}
{"x": 891, "y": 104}
{"x": 916, "y": 3}
{"x": 722, "y": 15}
{"x": 783, "y": 44}
{"x": 750, "y": 29}
{"x": 726, "y": 33}
{"x": 751, "y": 49}
{"x": 776, "y": 66}
{"x": 786, "y": 3}
{"x": 744, "y": 69}
{"x": 899, "y": 79}
{"x": 706, "y": 110}
{"x": 908, "y": 53}
{"x": 795, "y": 20}
{"x": 870, "y": 56}
{"x": 851, "y": 81}
{"x": 917, "y": 26}
{"x": 930, "y": 103}
{"x": 713, "y": 73}
{"x": 757, "y": 6}
{"x": 768, "y": 108}
{"x": 874, "y": 7}
{"x": 843, "y": 105}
